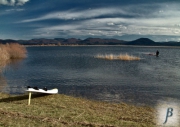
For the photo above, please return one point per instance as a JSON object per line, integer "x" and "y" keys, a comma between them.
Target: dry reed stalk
{"x": 127, "y": 57}
{"x": 16, "y": 50}
{"x": 11, "y": 51}
{"x": 4, "y": 55}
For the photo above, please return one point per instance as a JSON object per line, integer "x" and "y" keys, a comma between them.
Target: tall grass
{"x": 117, "y": 57}
{"x": 11, "y": 51}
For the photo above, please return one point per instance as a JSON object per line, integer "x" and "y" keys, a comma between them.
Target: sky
{"x": 158, "y": 20}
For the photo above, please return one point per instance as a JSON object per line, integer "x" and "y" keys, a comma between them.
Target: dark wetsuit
{"x": 157, "y": 53}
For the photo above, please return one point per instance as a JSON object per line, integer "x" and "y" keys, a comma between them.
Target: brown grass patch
{"x": 61, "y": 110}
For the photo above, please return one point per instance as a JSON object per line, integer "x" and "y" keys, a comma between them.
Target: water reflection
{"x": 9, "y": 65}
{"x": 13, "y": 64}
{"x": 3, "y": 83}
{"x": 118, "y": 94}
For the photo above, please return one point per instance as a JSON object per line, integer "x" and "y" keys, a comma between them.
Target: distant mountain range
{"x": 90, "y": 41}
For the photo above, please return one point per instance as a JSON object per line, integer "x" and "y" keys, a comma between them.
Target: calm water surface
{"x": 75, "y": 71}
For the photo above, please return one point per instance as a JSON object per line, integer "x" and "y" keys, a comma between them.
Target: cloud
{"x": 80, "y": 14}
{"x": 143, "y": 19}
{"x": 12, "y": 10}
{"x": 4, "y": 2}
{"x": 21, "y": 2}
{"x": 110, "y": 27}
{"x": 13, "y": 2}
{"x": 143, "y": 12}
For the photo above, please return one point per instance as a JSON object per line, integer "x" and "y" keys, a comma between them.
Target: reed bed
{"x": 4, "y": 55}
{"x": 124, "y": 57}
{"x": 11, "y": 51}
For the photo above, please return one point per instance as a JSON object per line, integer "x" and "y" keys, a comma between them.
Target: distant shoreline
{"x": 91, "y": 41}
{"x": 102, "y": 46}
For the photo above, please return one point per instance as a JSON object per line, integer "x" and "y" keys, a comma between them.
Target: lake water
{"x": 75, "y": 71}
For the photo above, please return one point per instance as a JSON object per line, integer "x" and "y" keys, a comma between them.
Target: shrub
{"x": 16, "y": 51}
{"x": 11, "y": 51}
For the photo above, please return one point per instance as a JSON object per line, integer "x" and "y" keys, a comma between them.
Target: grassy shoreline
{"x": 66, "y": 111}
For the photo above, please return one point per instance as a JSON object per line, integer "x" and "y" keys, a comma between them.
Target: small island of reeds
{"x": 124, "y": 57}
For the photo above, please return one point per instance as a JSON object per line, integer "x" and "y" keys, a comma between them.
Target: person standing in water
{"x": 157, "y": 53}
